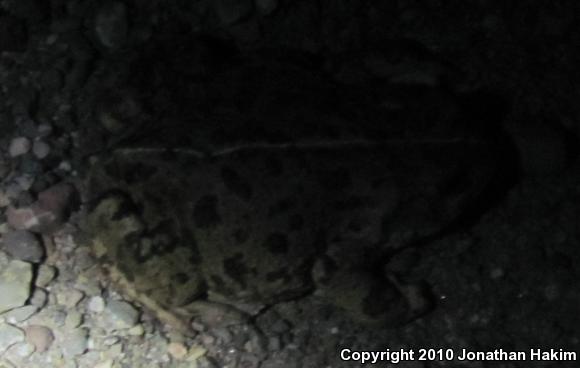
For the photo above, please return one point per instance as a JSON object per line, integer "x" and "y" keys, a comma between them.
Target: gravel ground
{"x": 509, "y": 279}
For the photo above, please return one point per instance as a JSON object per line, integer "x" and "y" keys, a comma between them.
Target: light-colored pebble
{"x": 96, "y": 304}
{"x": 9, "y": 335}
{"x": 44, "y": 130}
{"x": 196, "y": 352}
{"x": 25, "y": 181}
{"x": 39, "y": 297}
{"x": 21, "y": 314}
{"x": 40, "y": 149}
{"x": 73, "y": 319}
{"x": 70, "y": 298}
{"x": 46, "y": 274}
{"x": 19, "y": 146}
{"x": 15, "y": 280}
{"x": 75, "y": 342}
{"x": 177, "y": 350}
{"x": 41, "y": 337}
{"x": 105, "y": 364}
{"x": 121, "y": 315}
{"x": 137, "y": 330}
{"x": 4, "y": 199}
{"x": 21, "y": 350}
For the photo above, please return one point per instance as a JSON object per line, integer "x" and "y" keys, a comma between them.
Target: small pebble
{"x": 96, "y": 304}
{"x": 23, "y": 245}
{"x": 70, "y": 298}
{"x": 177, "y": 350}
{"x": 9, "y": 335}
{"x": 25, "y": 181}
{"x": 44, "y": 130}
{"x": 19, "y": 146}
{"x": 105, "y": 364}
{"x": 122, "y": 314}
{"x": 21, "y": 314}
{"x": 21, "y": 350}
{"x": 40, "y": 149}
{"x": 65, "y": 166}
{"x": 15, "y": 281}
{"x": 75, "y": 342}
{"x": 73, "y": 319}
{"x": 41, "y": 337}
{"x": 4, "y": 199}
{"x": 46, "y": 274}
{"x": 137, "y": 330}
{"x": 39, "y": 297}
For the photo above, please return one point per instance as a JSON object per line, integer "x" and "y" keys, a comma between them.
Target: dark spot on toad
{"x": 127, "y": 272}
{"x": 240, "y": 235}
{"x": 188, "y": 238}
{"x": 218, "y": 284}
{"x": 280, "y": 207}
{"x": 205, "y": 213}
{"x": 138, "y": 172}
{"x": 180, "y": 278}
{"x": 380, "y": 299}
{"x": 235, "y": 268}
{"x": 351, "y": 203}
{"x": 276, "y": 243}
{"x": 281, "y": 274}
{"x": 356, "y": 225}
{"x": 335, "y": 180}
{"x": 236, "y": 184}
{"x": 296, "y": 222}
{"x": 274, "y": 166}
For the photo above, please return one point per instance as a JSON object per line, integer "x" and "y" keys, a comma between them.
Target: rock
{"x": 111, "y": 25}
{"x": 20, "y": 350}
{"x": 15, "y": 281}
{"x": 46, "y": 274}
{"x": 19, "y": 146}
{"x": 58, "y": 200}
{"x": 96, "y": 304}
{"x": 39, "y": 297}
{"x": 21, "y": 314}
{"x": 73, "y": 319}
{"x": 75, "y": 342}
{"x": 41, "y": 337}
{"x": 23, "y": 245}
{"x": 177, "y": 350}
{"x": 48, "y": 213}
{"x": 22, "y": 218}
{"x": 232, "y": 11}
{"x": 121, "y": 315}
{"x": 70, "y": 298}
{"x": 25, "y": 181}
{"x": 40, "y": 149}
{"x": 9, "y": 335}
{"x": 44, "y": 130}
{"x": 137, "y": 330}
{"x": 105, "y": 364}
{"x": 4, "y": 199}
